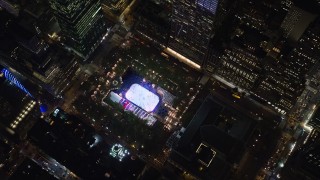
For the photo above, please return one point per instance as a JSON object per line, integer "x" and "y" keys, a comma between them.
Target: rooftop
{"x": 15, "y": 107}
{"x": 214, "y": 139}
{"x": 30, "y": 170}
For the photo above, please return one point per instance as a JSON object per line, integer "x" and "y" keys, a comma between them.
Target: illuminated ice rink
{"x": 142, "y": 97}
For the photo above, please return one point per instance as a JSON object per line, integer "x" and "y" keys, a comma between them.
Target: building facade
{"x": 240, "y": 67}
{"x": 295, "y": 23}
{"x": 192, "y": 27}
{"x": 82, "y": 24}
{"x": 314, "y": 122}
{"x": 304, "y": 162}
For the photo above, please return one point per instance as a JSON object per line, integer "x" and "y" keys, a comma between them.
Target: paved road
{"x": 47, "y": 163}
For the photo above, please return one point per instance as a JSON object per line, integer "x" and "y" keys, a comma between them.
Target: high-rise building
{"x": 192, "y": 27}
{"x": 114, "y": 8}
{"x": 285, "y": 77}
{"x": 314, "y": 122}
{"x": 296, "y": 22}
{"x": 304, "y": 162}
{"x": 153, "y": 21}
{"x": 240, "y": 67}
{"x": 218, "y": 140}
{"x": 82, "y": 24}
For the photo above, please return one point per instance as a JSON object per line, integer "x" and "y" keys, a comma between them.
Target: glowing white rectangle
{"x": 182, "y": 58}
{"x": 142, "y": 97}
{"x": 94, "y": 14}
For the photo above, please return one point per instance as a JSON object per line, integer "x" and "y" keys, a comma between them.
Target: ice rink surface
{"x": 142, "y": 97}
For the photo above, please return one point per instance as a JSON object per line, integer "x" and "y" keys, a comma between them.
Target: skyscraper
{"x": 304, "y": 162}
{"x": 314, "y": 122}
{"x": 114, "y": 8}
{"x": 296, "y": 22}
{"x": 240, "y": 67}
{"x": 192, "y": 25}
{"x": 81, "y": 22}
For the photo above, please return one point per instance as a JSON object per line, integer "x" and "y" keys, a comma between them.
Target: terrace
{"x": 139, "y": 64}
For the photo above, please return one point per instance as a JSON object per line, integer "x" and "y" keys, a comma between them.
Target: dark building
{"x": 240, "y": 67}
{"x": 18, "y": 110}
{"x": 153, "y": 21}
{"x": 304, "y": 162}
{"x": 46, "y": 66}
{"x": 5, "y": 149}
{"x": 82, "y": 24}
{"x": 30, "y": 170}
{"x": 31, "y": 57}
{"x": 114, "y": 8}
{"x": 314, "y": 122}
{"x": 192, "y": 27}
{"x": 285, "y": 77}
{"x": 79, "y": 148}
{"x": 283, "y": 69}
{"x": 214, "y": 142}
{"x": 313, "y": 79}
{"x": 296, "y": 22}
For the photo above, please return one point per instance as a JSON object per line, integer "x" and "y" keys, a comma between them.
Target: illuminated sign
{"x": 118, "y": 151}
{"x": 55, "y": 113}
{"x": 9, "y": 76}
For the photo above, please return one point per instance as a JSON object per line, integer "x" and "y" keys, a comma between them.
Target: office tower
{"x": 295, "y": 23}
{"x": 43, "y": 73}
{"x": 284, "y": 80}
{"x": 30, "y": 57}
{"x": 304, "y": 162}
{"x": 314, "y": 122}
{"x": 47, "y": 66}
{"x": 153, "y": 21}
{"x": 82, "y": 24}
{"x": 192, "y": 27}
{"x": 114, "y": 8}
{"x": 313, "y": 79}
{"x": 214, "y": 143}
{"x": 240, "y": 67}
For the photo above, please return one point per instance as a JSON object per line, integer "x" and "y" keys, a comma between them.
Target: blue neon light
{"x": 210, "y": 5}
{"x": 43, "y": 108}
{"x": 9, "y": 76}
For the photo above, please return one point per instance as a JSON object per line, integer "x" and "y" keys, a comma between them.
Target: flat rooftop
{"x": 30, "y": 170}
{"x": 214, "y": 139}
{"x": 12, "y": 100}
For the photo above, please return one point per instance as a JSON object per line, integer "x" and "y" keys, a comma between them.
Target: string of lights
{"x": 10, "y": 77}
